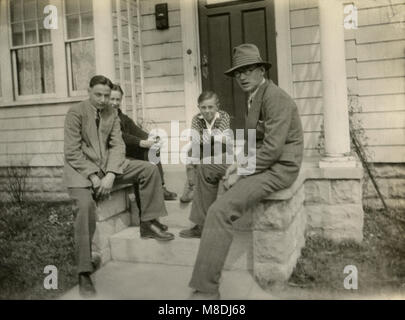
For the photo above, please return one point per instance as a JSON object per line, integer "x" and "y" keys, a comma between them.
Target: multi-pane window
{"x": 79, "y": 43}
{"x": 31, "y": 48}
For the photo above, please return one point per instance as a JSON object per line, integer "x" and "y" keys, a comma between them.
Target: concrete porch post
{"x": 103, "y": 38}
{"x": 335, "y": 104}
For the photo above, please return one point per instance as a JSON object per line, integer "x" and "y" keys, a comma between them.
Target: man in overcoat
{"x": 279, "y": 151}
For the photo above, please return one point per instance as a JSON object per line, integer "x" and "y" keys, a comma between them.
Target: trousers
{"x": 217, "y": 215}
{"x": 143, "y": 173}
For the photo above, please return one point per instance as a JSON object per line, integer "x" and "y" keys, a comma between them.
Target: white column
{"x": 335, "y": 104}
{"x": 103, "y": 38}
{"x": 191, "y": 56}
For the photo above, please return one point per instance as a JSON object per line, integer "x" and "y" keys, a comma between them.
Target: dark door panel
{"x": 224, "y": 26}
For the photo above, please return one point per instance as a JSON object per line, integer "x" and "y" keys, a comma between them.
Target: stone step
{"x": 127, "y": 245}
{"x": 178, "y": 214}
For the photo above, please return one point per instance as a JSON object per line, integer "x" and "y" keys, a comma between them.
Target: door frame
{"x": 191, "y": 62}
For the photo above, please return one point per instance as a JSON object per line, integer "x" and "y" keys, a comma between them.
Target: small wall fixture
{"x": 162, "y": 16}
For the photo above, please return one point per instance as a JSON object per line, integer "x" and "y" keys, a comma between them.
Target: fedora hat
{"x": 244, "y": 55}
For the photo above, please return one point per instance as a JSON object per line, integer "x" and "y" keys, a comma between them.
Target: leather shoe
{"x": 86, "y": 287}
{"x": 194, "y": 232}
{"x": 160, "y": 225}
{"x": 169, "y": 195}
{"x": 150, "y": 230}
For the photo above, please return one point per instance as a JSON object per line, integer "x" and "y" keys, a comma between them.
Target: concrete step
{"x": 178, "y": 214}
{"x": 127, "y": 245}
{"x": 123, "y": 280}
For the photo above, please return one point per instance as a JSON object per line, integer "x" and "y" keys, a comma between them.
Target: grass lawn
{"x": 33, "y": 236}
{"x": 379, "y": 259}
{"x": 39, "y": 234}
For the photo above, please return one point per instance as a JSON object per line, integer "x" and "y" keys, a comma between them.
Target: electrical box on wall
{"x": 162, "y": 16}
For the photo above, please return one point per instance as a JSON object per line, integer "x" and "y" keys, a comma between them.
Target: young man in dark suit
{"x": 136, "y": 140}
{"x": 94, "y": 161}
{"x": 279, "y": 151}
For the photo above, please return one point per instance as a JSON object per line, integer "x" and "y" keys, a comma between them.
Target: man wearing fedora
{"x": 279, "y": 151}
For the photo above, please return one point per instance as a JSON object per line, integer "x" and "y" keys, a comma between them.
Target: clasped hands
{"x": 102, "y": 187}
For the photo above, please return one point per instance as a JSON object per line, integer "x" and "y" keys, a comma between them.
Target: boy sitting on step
{"x": 209, "y": 122}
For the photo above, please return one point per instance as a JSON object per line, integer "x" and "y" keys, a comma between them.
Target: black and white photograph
{"x": 178, "y": 150}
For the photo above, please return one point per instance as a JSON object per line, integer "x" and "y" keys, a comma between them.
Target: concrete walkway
{"x": 124, "y": 280}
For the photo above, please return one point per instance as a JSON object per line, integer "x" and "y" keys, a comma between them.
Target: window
{"x": 79, "y": 44}
{"x": 31, "y": 49}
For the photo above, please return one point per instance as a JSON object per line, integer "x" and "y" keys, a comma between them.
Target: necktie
{"x": 98, "y": 118}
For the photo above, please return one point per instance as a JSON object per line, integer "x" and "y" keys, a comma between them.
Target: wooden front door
{"x": 224, "y": 25}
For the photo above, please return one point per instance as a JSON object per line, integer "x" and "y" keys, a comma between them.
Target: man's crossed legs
{"x": 147, "y": 176}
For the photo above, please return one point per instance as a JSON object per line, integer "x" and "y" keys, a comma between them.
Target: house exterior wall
{"x": 163, "y": 69}
{"x": 375, "y": 65}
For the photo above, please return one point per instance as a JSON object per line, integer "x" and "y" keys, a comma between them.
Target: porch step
{"x": 178, "y": 214}
{"x": 127, "y": 245}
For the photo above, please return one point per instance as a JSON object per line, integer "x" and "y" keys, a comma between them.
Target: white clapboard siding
{"x": 34, "y": 111}
{"x": 388, "y": 102}
{"x": 165, "y": 114}
{"x": 382, "y": 120}
{"x": 387, "y": 153}
{"x": 308, "y": 106}
{"x": 381, "y": 69}
{"x": 165, "y": 67}
{"x": 162, "y": 51}
{"x": 302, "y": 4}
{"x": 365, "y": 4}
{"x": 381, "y": 15}
{"x": 381, "y": 50}
{"x": 31, "y": 147}
{"x": 164, "y": 83}
{"x": 32, "y": 123}
{"x": 307, "y": 89}
{"x": 378, "y": 33}
{"x": 34, "y": 159}
{"x": 313, "y": 71}
{"x": 173, "y": 34}
{"x": 164, "y": 99}
{"x": 381, "y": 86}
{"x": 11, "y": 136}
{"x": 384, "y": 137}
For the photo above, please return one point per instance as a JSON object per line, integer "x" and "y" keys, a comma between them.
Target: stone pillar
{"x": 335, "y": 105}
{"x": 103, "y": 38}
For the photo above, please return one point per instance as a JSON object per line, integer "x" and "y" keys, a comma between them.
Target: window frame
{"x": 13, "y": 53}
{"x": 62, "y": 82}
{"x": 67, "y": 43}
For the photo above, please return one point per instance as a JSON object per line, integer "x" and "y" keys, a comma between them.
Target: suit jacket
{"x": 88, "y": 151}
{"x": 279, "y": 136}
{"x": 132, "y": 135}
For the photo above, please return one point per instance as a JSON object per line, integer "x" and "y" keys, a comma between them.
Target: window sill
{"x": 43, "y": 101}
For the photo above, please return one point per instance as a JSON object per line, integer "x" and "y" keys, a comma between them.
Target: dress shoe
{"x": 150, "y": 230}
{"x": 199, "y": 295}
{"x": 187, "y": 193}
{"x": 169, "y": 195}
{"x": 160, "y": 225}
{"x": 194, "y": 232}
{"x": 86, "y": 287}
